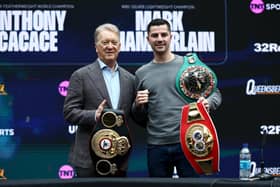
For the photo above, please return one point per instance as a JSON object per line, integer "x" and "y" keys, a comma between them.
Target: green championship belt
{"x": 195, "y": 79}
{"x": 198, "y": 136}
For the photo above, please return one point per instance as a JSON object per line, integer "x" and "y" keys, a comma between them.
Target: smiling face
{"x": 159, "y": 37}
{"x": 107, "y": 47}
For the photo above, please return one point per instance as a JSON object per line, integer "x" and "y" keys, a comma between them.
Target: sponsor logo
{"x": 63, "y": 87}
{"x": 253, "y": 89}
{"x": 66, "y": 172}
{"x": 258, "y": 6}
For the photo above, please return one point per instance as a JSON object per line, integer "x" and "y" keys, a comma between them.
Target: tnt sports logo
{"x": 63, "y": 87}
{"x": 66, "y": 172}
{"x": 258, "y": 6}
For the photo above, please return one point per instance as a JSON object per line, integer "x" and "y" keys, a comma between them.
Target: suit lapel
{"x": 122, "y": 88}
{"x": 95, "y": 74}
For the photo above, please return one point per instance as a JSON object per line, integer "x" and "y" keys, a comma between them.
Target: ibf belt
{"x": 199, "y": 139}
{"x": 110, "y": 142}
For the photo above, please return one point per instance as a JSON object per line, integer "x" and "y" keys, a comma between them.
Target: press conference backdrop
{"x": 43, "y": 42}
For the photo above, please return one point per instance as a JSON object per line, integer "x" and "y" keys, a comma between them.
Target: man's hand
{"x": 99, "y": 110}
{"x": 142, "y": 97}
{"x": 204, "y": 102}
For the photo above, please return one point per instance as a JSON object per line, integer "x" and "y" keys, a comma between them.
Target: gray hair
{"x": 108, "y": 27}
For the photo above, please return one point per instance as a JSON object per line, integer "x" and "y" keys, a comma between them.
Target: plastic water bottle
{"x": 244, "y": 162}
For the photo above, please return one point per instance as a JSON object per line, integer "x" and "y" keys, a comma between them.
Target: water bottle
{"x": 244, "y": 162}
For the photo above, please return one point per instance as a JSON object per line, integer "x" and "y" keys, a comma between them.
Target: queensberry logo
{"x": 253, "y": 89}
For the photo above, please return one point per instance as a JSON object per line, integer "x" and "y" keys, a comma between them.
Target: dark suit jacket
{"x": 86, "y": 91}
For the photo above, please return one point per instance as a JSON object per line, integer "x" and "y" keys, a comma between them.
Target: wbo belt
{"x": 110, "y": 143}
{"x": 198, "y": 136}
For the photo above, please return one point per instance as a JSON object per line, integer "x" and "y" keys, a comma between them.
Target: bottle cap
{"x": 245, "y": 144}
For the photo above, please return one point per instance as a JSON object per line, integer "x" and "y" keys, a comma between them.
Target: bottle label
{"x": 245, "y": 164}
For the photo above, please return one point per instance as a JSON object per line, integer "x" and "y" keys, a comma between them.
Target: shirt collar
{"x": 103, "y": 65}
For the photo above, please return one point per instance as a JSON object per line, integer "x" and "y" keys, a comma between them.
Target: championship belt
{"x": 198, "y": 137}
{"x": 195, "y": 79}
{"x": 110, "y": 142}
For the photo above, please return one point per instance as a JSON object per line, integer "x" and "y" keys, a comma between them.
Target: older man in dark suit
{"x": 93, "y": 88}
